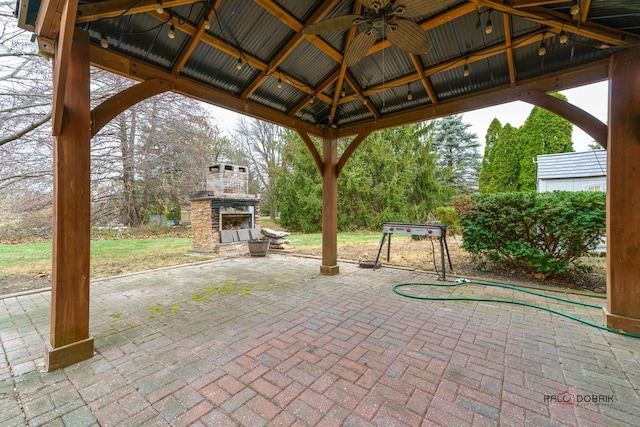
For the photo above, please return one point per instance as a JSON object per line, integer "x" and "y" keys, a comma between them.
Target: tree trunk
{"x": 131, "y": 206}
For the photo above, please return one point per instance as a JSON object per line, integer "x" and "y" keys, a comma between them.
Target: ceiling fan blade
{"x": 407, "y": 35}
{"x": 371, "y": 3}
{"x": 413, "y": 8}
{"x": 360, "y": 46}
{"x": 331, "y": 25}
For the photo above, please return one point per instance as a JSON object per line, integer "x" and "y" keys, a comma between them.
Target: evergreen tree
{"x": 485, "y": 179}
{"x": 458, "y": 155}
{"x": 542, "y": 133}
{"x": 506, "y": 166}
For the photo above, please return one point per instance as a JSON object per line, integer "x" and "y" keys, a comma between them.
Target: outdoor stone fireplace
{"x": 224, "y": 214}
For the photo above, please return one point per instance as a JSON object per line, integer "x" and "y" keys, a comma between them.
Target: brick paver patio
{"x": 248, "y": 341}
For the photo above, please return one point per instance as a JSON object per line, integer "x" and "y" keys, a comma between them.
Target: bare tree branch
{"x": 25, "y": 130}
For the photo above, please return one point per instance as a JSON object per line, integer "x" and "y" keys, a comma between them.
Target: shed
{"x": 581, "y": 171}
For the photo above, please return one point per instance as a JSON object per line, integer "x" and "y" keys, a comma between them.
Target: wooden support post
{"x": 623, "y": 187}
{"x": 329, "y": 265}
{"x": 70, "y": 342}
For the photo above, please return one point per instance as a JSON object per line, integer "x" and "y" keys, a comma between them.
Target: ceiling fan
{"x": 386, "y": 16}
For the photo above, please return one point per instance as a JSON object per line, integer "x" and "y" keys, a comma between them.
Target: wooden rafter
{"x": 456, "y": 62}
{"x": 585, "y": 5}
{"x": 90, "y": 12}
{"x": 319, "y": 90}
{"x": 289, "y": 20}
{"x": 360, "y": 94}
{"x": 120, "y": 64}
{"x": 578, "y": 76}
{"x": 343, "y": 67}
{"x": 506, "y": 19}
{"x": 560, "y": 21}
{"x": 417, "y": 63}
{"x": 195, "y": 38}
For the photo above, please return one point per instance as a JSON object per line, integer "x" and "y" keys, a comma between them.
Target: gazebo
{"x": 335, "y": 69}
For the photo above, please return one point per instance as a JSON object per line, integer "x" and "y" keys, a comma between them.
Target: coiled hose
{"x": 463, "y": 282}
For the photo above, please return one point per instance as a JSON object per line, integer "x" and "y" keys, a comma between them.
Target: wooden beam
{"x": 566, "y": 79}
{"x": 110, "y": 108}
{"x": 346, "y": 155}
{"x": 61, "y": 63}
{"x": 506, "y": 19}
{"x": 585, "y": 121}
{"x": 90, "y": 12}
{"x": 195, "y": 38}
{"x": 118, "y": 63}
{"x": 317, "y": 93}
{"x": 312, "y": 150}
{"x": 417, "y": 64}
{"x": 69, "y": 339}
{"x": 281, "y": 14}
{"x": 49, "y": 17}
{"x": 623, "y": 204}
{"x": 329, "y": 265}
{"x": 585, "y": 5}
{"x": 519, "y": 4}
{"x": 561, "y": 21}
{"x": 360, "y": 94}
{"x": 457, "y": 62}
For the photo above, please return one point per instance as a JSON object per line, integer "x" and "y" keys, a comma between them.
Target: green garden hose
{"x": 462, "y": 282}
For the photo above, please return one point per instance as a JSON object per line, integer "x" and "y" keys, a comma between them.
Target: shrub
{"x": 538, "y": 233}
{"x": 448, "y": 216}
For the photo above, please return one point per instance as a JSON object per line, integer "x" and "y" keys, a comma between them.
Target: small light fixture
{"x": 575, "y": 9}
{"x": 364, "y": 101}
{"x": 542, "y": 50}
{"x": 207, "y": 24}
{"x": 279, "y": 83}
{"x": 489, "y": 27}
{"x": 313, "y": 98}
{"x": 104, "y": 42}
{"x": 465, "y": 71}
{"x": 239, "y": 64}
{"x": 172, "y": 32}
{"x": 343, "y": 93}
{"x": 159, "y": 7}
{"x": 563, "y": 37}
{"x": 409, "y": 96}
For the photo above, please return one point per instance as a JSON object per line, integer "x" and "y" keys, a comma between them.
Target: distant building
{"x": 583, "y": 171}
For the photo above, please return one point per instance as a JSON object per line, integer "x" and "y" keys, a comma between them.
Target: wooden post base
{"x": 626, "y": 324}
{"x": 60, "y": 357}
{"x": 329, "y": 270}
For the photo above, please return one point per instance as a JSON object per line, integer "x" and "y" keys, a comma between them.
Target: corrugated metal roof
{"x": 572, "y": 165}
{"x": 262, "y": 30}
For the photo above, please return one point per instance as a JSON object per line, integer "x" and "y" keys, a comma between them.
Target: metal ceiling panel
{"x": 223, "y": 75}
{"x": 279, "y": 98}
{"x": 245, "y": 24}
{"x": 309, "y": 64}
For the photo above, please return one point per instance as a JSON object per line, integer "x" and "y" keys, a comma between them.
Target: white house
{"x": 582, "y": 171}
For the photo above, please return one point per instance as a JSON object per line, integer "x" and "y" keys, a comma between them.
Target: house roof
{"x": 582, "y": 164}
{"x": 250, "y": 56}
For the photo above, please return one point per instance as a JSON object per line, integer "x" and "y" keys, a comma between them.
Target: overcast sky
{"x": 592, "y": 98}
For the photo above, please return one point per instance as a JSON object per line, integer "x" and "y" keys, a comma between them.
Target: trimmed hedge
{"x": 539, "y": 233}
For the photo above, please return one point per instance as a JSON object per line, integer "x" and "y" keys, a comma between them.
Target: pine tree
{"x": 458, "y": 155}
{"x": 506, "y": 167}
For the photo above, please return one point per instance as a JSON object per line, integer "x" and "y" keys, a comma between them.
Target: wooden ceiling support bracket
{"x": 109, "y": 109}
{"x": 61, "y": 62}
{"x": 312, "y": 149}
{"x": 585, "y": 121}
{"x": 623, "y": 186}
{"x": 355, "y": 143}
{"x": 69, "y": 340}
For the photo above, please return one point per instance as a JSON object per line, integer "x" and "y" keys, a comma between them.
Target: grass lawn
{"x": 108, "y": 257}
